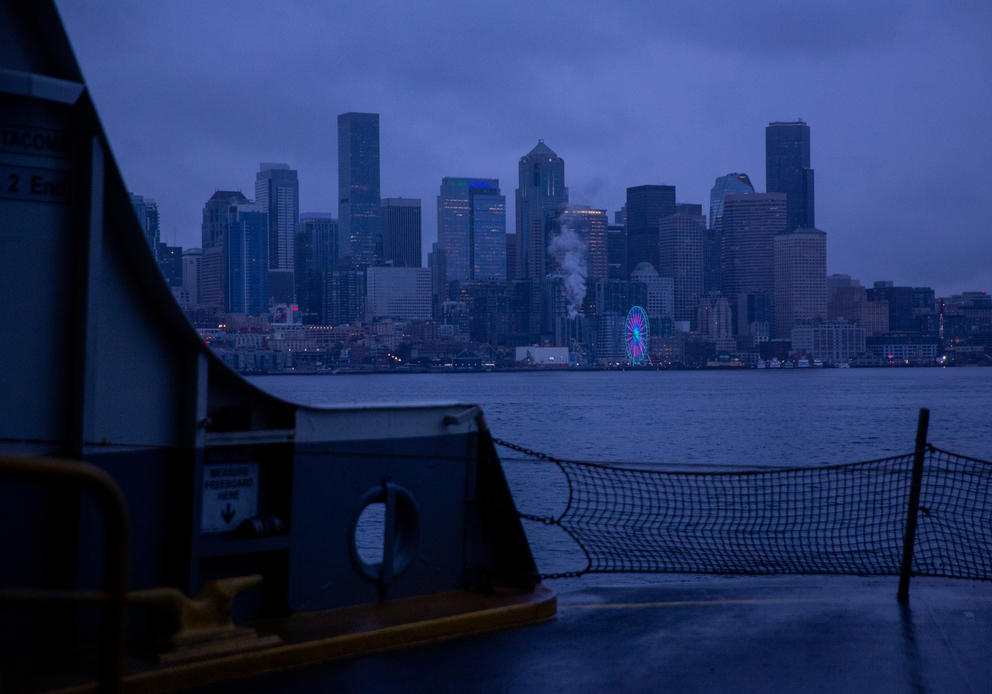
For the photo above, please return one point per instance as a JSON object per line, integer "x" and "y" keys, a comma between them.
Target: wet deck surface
{"x": 734, "y": 634}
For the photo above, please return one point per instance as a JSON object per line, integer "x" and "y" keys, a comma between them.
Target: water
{"x": 684, "y": 419}
{"x": 741, "y": 418}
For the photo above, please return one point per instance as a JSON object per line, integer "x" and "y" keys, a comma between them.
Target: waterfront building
{"x": 835, "y": 342}
{"x": 787, "y": 170}
{"x": 401, "y": 232}
{"x": 800, "y": 294}
{"x": 646, "y": 207}
{"x": 609, "y": 343}
{"x": 359, "y": 204}
{"x": 277, "y": 192}
{"x": 904, "y": 347}
{"x": 471, "y": 228}
{"x": 147, "y": 211}
{"x": 490, "y": 311}
{"x": 680, "y": 254}
{"x": 316, "y": 253}
{"x": 749, "y": 226}
{"x": 618, "y": 296}
{"x": 402, "y": 293}
{"x": 714, "y": 321}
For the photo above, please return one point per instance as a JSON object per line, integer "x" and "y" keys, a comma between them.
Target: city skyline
{"x": 897, "y": 168}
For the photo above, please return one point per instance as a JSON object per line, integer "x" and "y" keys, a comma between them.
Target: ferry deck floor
{"x": 690, "y": 634}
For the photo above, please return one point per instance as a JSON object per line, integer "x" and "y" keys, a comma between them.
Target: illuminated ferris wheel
{"x": 635, "y": 335}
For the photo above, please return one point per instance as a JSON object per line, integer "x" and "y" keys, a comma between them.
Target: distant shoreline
{"x": 558, "y": 369}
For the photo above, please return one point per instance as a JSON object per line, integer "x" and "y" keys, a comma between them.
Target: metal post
{"x": 914, "y": 506}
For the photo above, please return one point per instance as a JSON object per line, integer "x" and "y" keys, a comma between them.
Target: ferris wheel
{"x": 635, "y": 335}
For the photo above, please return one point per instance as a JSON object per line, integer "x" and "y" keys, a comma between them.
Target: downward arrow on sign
{"x": 228, "y": 513}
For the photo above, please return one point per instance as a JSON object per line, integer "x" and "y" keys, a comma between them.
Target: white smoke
{"x": 569, "y": 251}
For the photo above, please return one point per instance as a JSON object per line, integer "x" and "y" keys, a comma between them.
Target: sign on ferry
{"x": 230, "y": 495}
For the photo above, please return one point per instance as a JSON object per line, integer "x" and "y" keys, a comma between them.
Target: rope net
{"x": 841, "y": 519}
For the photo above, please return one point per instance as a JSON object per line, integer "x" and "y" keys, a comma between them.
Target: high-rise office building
{"x": 787, "y": 170}
{"x": 316, "y": 253}
{"x": 345, "y": 296}
{"x": 359, "y": 204}
{"x": 191, "y": 276}
{"x": 471, "y": 228}
{"x": 147, "y": 211}
{"x": 437, "y": 264}
{"x": 730, "y": 184}
{"x": 401, "y": 232}
{"x": 616, "y": 252}
{"x": 646, "y": 207}
{"x": 541, "y": 197}
{"x": 512, "y": 257}
{"x": 590, "y": 225}
{"x": 170, "y": 262}
{"x": 714, "y": 320}
{"x": 749, "y": 226}
{"x": 800, "y": 295}
{"x": 277, "y": 191}
{"x": 246, "y": 257}
{"x": 219, "y": 213}
{"x": 398, "y": 292}
{"x": 680, "y": 255}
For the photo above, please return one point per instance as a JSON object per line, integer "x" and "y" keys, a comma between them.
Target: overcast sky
{"x": 898, "y": 97}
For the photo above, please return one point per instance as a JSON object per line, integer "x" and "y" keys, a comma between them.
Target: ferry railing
{"x": 116, "y": 531}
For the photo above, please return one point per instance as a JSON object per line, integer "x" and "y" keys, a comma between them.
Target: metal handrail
{"x": 55, "y": 472}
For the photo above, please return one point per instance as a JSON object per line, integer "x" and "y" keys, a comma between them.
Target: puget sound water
{"x": 706, "y": 420}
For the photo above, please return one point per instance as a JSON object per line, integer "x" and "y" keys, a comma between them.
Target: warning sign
{"x": 230, "y": 495}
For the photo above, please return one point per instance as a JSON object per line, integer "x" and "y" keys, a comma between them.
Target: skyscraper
{"x": 750, "y": 223}
{"x": 219, "y": 212}
{"x": 401, "y": 231}
{"x": 646, "y": 207}
{"x": 471, "y": 228}
{"x": 591, "y": 226}
{"x": 359, "y": 205}
{"x": 680, "y": 252}
{"x": 277, "y": 191}
{"x": 246, "y": 251}
{"x": 731, "y": 184}
{"x": 541, "y": 197}
{"x": 147, "y": 211}
{"x": 316, "y": 252}
{"x": 800, "y": 296}
{"x": 787, "y": 170}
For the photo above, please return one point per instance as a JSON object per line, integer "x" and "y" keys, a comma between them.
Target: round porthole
{"x": 385, "y": 533}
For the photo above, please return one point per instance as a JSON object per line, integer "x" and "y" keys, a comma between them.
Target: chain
{"x": 528, "y": 451}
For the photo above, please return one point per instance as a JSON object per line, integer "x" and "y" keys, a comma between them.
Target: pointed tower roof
{"x": 541, "y": 149}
